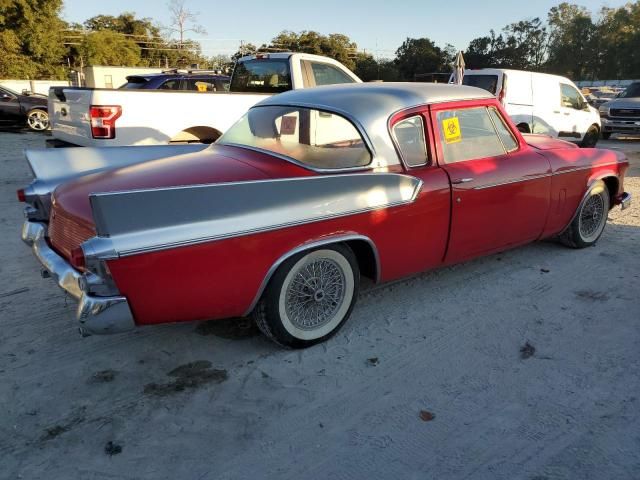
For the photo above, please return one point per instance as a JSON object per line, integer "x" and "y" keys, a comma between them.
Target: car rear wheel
{"x": 309, "y": 297}
{"x": 591, "y": 137}
{"x": 590, "y": 219}
{"x": 37, "y": 120}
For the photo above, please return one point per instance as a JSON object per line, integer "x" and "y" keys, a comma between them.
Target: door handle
{"x": 556, "y": 111}
{"x": 567, "y": 113}
{"x": 461, "y": 180}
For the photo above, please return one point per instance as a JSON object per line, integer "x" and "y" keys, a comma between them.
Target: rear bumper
{"x": 95, "y": 315}
{"x": 625, "y": 201}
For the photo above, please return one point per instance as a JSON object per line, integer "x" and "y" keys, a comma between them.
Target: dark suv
{"x": 180, "y": 81}
{"x": 622, "y": 115}
{"x": 18, "y": 110}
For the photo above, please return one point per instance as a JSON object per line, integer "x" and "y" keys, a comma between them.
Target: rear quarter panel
{"x": 221, "y": 279}
{"x": 574, "y": 171}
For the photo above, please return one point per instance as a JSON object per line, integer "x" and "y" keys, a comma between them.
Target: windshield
{"x": 312, "y": 137}
{"x": 486, "y": 82}
{"x": 632, "y": 91}
{"x": 262, "y": 76}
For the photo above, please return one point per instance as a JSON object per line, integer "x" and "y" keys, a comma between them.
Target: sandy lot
{"x": 431, "y": 377}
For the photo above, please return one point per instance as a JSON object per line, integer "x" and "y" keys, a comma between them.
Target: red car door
{"x": 500, "y": 186}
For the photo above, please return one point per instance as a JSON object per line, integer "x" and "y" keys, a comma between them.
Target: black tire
{"x": 606, "y": 135}
{"x": 590, "y": 219}
{"x": 37, "y": 120}
{"x": 590, "y": 139}
{"x": 282, "y": 312}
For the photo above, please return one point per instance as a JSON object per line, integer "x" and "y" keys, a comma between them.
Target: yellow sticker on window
{"x": 451, "y": 129}
{"x": 202, "y": 87}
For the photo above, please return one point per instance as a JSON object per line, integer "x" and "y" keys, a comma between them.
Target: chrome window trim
{"x": 504, "y": 124}
{"x": 286, "y": 158}
{"x": 309, "y": 246}
{"x": 396, "y": 143}
{"x": 321, "y": 108}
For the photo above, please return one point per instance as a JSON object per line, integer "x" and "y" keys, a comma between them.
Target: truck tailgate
{"x": 69, "y": 114}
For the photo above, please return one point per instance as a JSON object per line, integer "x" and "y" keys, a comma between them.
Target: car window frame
{"x": 335, "y": 111}
{"x": 434, "y": 109}
{"x": 399, "y": 118}
{"x": 580, "y": 97}
{"x": 310, "y": 78}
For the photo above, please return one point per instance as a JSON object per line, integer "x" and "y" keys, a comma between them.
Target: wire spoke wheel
{"x": 592, "y": 216}
{"x": 315, "y": 294}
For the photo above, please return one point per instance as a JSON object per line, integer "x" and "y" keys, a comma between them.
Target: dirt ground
{"x": 521, "y": 365}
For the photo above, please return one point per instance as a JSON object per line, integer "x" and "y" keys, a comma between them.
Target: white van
{"x": 541, "y": 103}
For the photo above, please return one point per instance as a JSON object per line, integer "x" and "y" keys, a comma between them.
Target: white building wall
{"x": 36, "y": 86}
{"x": 99, "y": 76}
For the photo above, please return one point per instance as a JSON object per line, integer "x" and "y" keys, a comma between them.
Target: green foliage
{"x": 31, "y": 39}
{"x": 105, "y": 47}
{"x": 418, "y": 56}
{"x": 334, "y": 45}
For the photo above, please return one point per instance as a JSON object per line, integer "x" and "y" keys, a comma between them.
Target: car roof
{"x": 369, "y": 106}
{"x": 362, "y": 100}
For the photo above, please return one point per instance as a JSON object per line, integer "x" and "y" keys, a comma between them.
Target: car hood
{"x": 623, "y": 103}
{"x": 217, "y": 164}
{"x": 545, "y": 142}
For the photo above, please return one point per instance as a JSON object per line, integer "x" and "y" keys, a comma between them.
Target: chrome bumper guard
{"x": 96, "y": 315}
{"x": 625, "y": 201}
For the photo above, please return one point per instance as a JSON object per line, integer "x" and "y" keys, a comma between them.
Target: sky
{"x": 377, "y": 26}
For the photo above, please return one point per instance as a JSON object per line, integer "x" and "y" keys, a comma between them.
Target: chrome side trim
{"x": 309, "y": 246}
{"x": 534, "y": 177}
{"x": 158, "y": 219}
{"x": 517, "y": 180}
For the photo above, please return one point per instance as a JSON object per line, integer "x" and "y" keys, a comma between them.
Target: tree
{"x": 245, "y": 49}
{"x": 181, "y": 18}
{"x": 106, "y": 47}
{"x": 571, "y": 41}
{"x": 368, "y": 68}
{"x": 419, "y": 56}
{"x": 335, "y": 45}
{"x": 31, "y": 39}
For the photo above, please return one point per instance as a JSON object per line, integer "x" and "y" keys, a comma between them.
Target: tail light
{"x": 77, "y": 258}
{"x": 503, "y": 90}
{"x": 21, "y": 195}
{"x": 103, "y": 120}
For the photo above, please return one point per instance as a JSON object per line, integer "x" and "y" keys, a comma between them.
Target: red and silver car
{"x": 306, "y": 193}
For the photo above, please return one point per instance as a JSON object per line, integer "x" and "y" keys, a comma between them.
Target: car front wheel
{"x": 591, "y": 137}
{"x": 590, "y": 219}
{"x": 37, "y": 120}
{"x": 309, "y": 297}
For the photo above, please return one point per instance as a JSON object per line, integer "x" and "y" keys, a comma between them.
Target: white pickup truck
{"x": 96, "y": 117}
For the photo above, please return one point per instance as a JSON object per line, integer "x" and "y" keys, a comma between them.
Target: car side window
{"x": 199, "y": 85}
{"x": 570, "y": 97}
{"x": 170, "y": 85}
{"x": 409, "y": 136}
{"x": 508, "y": 140}
{"x": 325, "y": 74}
{"x": 466, "y": 134}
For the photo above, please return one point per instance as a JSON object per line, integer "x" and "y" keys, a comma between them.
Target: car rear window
{"x": 135, "y": 83}
{"x": 262, "y": 76}
{"x": 311, "y": 137}
{"x": 486, "y": 82}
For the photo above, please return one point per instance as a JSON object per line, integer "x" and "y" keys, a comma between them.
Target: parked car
{"x": 111, "y": 118}
{"x": 189, "y": 80}
{"x": 622, "y": 115}
{"x": 23, "y": 109}
{"x": 304, "y": 194}
{"x": 541, "y": 103}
